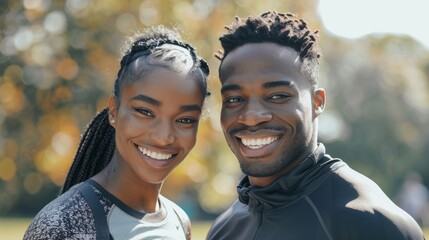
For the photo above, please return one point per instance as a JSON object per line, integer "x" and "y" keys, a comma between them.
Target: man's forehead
{"x": 256, "y": 58}
{"x": 269, "y": 49}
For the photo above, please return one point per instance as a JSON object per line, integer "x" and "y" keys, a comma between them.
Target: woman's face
{"x": 156, "y": 124}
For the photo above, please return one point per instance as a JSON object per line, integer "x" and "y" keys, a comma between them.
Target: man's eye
{"x": 279, "y": 96}
{"x": 233, "y": 100}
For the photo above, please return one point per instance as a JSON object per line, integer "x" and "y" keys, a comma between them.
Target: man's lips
{"x": 257, "y": 143}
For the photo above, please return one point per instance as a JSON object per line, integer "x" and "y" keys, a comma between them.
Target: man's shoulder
{"x": 360, "y": 205}
{"x": 225, "y": 221}
{"x": 346, "y": 180}
{"x": 237, "y": 209}
{"x": 352, "y": 192}
{"x": 375, "y": 224}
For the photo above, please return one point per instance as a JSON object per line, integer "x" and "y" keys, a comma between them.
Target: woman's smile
{"x": 153, "y": 154}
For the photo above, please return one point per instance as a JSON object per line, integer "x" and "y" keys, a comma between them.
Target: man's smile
{"x": 257, "y": 143}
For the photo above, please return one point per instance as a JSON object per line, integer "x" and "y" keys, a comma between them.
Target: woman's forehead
{"x": 163, "y": 84}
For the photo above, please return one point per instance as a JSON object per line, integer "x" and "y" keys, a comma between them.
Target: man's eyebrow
{"x": 190, "y": 108}
{"x": 279, "y": 83}
{"x": 231, "y": 87}
{"x": 147, "y": 99}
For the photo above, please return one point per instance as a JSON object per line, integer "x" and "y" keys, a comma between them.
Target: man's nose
{"x": 254, "y": 113}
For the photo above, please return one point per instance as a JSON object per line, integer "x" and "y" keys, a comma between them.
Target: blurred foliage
{"x": 58, "y": 61}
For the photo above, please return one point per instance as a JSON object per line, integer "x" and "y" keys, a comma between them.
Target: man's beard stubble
{"x": 287, "y": 157}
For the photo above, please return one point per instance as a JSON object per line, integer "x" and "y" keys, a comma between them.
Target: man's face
{"x": 269, "y": 109}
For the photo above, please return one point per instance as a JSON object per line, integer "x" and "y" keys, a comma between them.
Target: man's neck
{"x": 265, "y": 181}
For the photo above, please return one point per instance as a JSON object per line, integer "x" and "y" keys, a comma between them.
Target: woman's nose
{"x": 162, "y": 134}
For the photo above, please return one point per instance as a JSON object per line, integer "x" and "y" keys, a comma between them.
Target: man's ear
{"x": 319, "y": 101}
{"x": 113, "y": 110}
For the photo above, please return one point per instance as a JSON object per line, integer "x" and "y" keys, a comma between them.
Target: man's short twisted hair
{"x": 284, "y": 29}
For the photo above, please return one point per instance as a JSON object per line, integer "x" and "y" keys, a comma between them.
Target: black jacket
{"x": 321, "y": 198}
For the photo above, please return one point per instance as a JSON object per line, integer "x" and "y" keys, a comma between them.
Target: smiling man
{"x": 292, "y": 188}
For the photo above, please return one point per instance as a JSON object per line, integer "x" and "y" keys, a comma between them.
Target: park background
{"x": 59, "y": 59}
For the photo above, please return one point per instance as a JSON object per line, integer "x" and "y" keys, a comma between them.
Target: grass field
{"x": 14, "y": 228}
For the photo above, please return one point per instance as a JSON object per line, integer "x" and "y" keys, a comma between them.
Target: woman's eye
{"x": 144, "y": 112}
{"x": 187, "y": 120}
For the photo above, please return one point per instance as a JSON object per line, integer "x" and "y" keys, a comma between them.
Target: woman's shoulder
{"x": 62, "y": 218}
{"x": 180, "y": 213}
{"x": 170, "y": 204}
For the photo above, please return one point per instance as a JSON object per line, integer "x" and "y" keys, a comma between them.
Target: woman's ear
{"x": 319, "y": 101}
{"x": 113, "y": 110}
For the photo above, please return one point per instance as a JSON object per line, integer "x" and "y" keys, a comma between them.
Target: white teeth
{"x": 154, "y": 155}
{"x": 258, "y": 143}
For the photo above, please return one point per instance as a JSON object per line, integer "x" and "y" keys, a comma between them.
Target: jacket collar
{"x": 288, "y": 187}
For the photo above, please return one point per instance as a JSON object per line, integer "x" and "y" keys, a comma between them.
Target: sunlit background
{"x": 59, "y": 59}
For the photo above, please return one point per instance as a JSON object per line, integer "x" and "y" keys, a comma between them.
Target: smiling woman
{"x": 129, "y": 149}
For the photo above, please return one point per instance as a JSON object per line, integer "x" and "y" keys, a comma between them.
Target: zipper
{"x": 260, "y": 224}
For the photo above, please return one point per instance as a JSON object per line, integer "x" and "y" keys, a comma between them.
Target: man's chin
{"x": 256, "y": 170}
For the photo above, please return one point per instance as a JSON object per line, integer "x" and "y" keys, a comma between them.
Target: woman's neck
{"x": 124, "y": 185}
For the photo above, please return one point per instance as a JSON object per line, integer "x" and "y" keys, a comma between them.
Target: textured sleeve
{"x": 66, "y": 217}
{"x": 35, "y": 232}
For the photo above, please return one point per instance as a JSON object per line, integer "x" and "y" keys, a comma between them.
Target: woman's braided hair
{"x": 157, "y": 47}
{"x": 284, "y": 29}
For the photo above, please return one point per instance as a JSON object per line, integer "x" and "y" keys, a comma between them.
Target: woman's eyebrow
{"x": 191, "y": 108}
{"x": 147, "y": 99}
